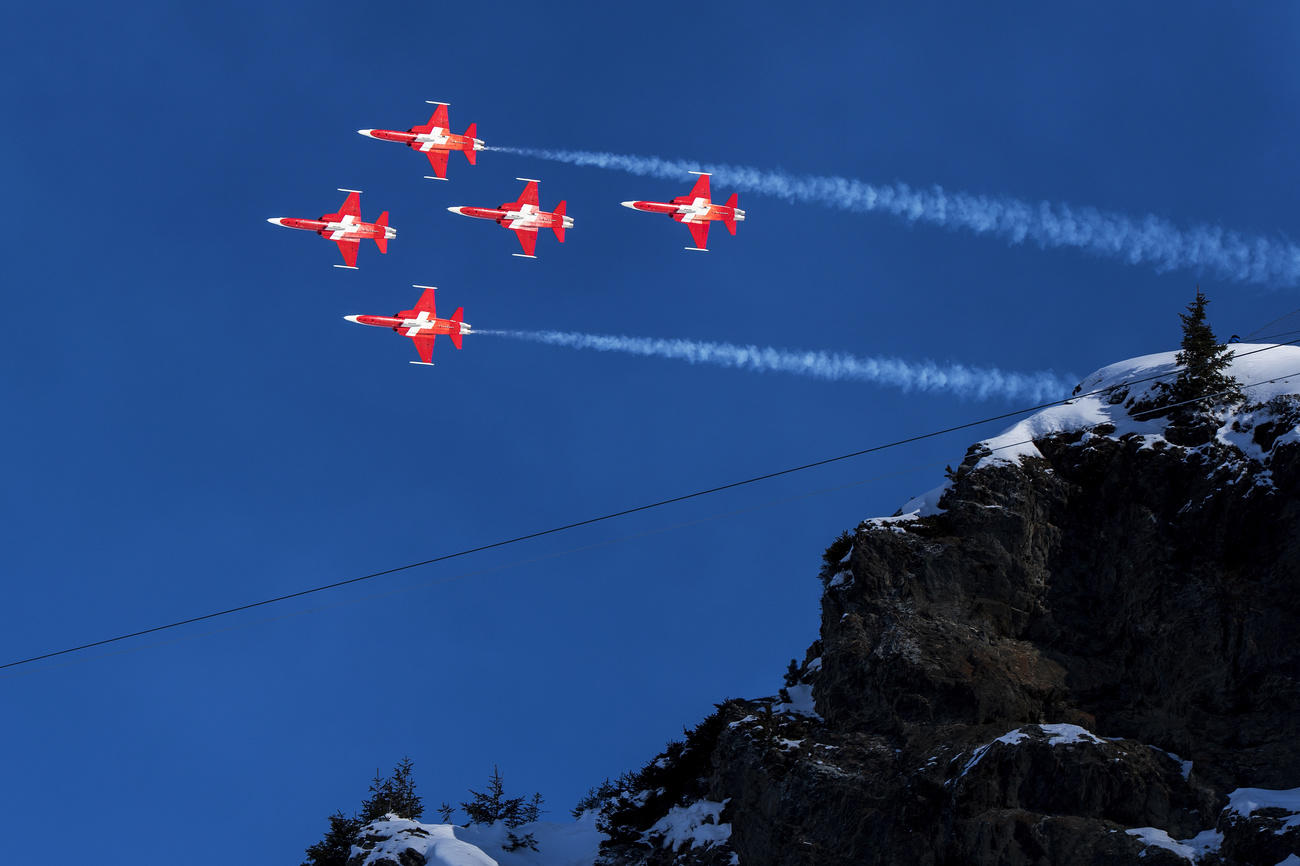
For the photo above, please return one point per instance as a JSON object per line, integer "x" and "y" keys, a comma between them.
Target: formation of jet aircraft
{"x": 524, "y": 217}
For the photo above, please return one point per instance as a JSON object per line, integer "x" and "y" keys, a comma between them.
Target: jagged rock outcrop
{"x": 1087, "y": 647}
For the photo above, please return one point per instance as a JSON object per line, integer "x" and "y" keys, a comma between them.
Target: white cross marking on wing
{"x": 421, "y": 322}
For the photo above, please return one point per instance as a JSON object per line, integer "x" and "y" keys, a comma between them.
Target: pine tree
{"x": 492, "y": 805}
{"x": 1204, "y": 361}
{"x": 394, "y": 794}
{"x": 335, "y": 848}
{"x": 595, "y": 798}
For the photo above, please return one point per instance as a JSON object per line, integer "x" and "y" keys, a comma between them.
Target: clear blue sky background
{"x": 189, "y": 424}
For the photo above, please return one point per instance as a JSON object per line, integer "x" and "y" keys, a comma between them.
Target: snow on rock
{"x": 1063, "y": 735}
{"x": 1107, "y": 395}
{"x": 1056, "y": 735}
{"x": 801, "y": 702}
{"x": 573, "y": 843}
{"x": 925, "y": 505}
{"x": 696, "y": 825}
{"x": 1247, "y": 801}
{"x": 390, "y": 841}
{"x": 1192, "y": 850}
{"x": 1161, "y": 839}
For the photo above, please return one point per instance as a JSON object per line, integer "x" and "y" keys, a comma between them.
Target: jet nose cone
{"x": 365, "y": 132}
{"x": 457, "y": 209}
{"x": 276, "y": 221}
{"x": 353, "y": 319}
{"x": 630, "y": 204}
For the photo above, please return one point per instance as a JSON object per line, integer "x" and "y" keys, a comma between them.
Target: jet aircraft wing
{"x": 351, "y": 207}
{"x": 700, "y": 232}
{"x": 426, "y": 304}
{"x": 437, "y": 159}
{"x": 438, "y": 119}
{"x": 349, "y": 250}
{"x": 527, "y": 240}
{"x": 424, "y": 345}
{"x": 529, "y": 195}
{"x": 701, "y": 189}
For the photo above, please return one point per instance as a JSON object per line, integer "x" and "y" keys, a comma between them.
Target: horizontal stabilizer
{"x": 431, "y": 177}
{"x": 471, "y": 155}
{"x": 347, "y": 267}
{"x": 421, "y": 363}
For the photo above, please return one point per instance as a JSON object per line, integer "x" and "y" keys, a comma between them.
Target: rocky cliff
{"x": 1082, "y": 649}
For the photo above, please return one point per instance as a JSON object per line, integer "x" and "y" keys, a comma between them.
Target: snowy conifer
{"x": 394, "y": 794}
{"x": 1203, "y": 359}
{"x": 335, "y": 848}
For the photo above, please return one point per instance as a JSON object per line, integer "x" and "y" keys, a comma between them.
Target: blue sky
{"x": 191, "y": 424}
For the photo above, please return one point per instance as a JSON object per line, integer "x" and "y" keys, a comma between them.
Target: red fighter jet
{"x": 696, "y": 211}
{"x": 421, "y": 324}
{"x": 523, "y": 217}
{"x": 345, "y": 228}
{"x": 434, "y": 139}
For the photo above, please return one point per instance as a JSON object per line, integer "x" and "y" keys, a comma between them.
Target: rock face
{"x": 1076, "y": 660}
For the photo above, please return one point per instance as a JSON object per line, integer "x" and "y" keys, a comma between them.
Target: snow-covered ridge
{"x": 572, "y": 843}
{"x": 1268, "y": 370}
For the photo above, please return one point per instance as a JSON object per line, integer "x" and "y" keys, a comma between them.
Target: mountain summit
{"x": 1081, "y": 649}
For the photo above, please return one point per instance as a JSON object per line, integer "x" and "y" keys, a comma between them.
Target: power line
{"x": 627, "y": 511}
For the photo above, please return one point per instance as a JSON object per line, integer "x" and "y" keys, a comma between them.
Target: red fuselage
{"x": 686, "y": 209}
{"x": 345, "y": 229}
{"x": 434, "y": 139}
{"x": 526, "y": 217}
{"x": 414, "y": 326}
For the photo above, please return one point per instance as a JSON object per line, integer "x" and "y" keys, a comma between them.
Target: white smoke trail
{"x": 963, "y": 381}
{"x": 1148, "y": 240}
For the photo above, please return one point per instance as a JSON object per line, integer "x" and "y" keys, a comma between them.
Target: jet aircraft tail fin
{"x": 558, "y": 228}
{"x": 471, "y": 131}
{"x": 456, "y": 319}
{"x": 382, "y": 242}
{"x": 731, "y": 220}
